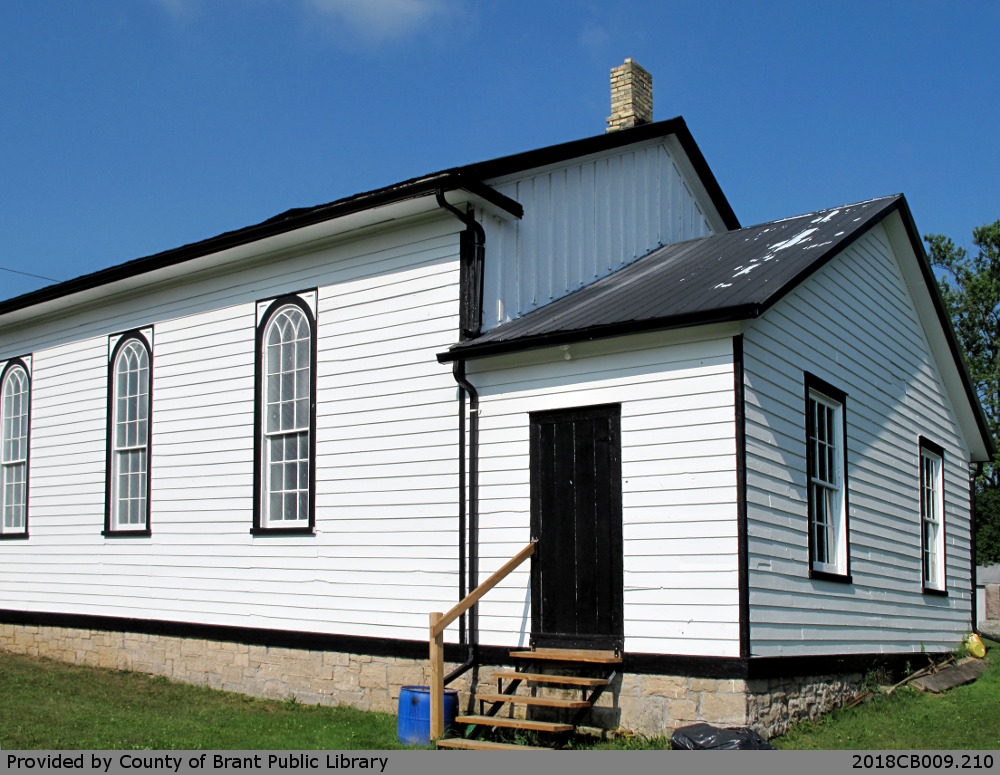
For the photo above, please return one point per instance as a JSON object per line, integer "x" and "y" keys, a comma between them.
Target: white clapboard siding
{"x": 678, "y": 483}
{"x": 854, "y": 325}
{"x": 385, "y": 550}
{"x": 584, "y": 220}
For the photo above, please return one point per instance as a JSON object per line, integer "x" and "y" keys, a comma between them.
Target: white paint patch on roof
{"x": 723, "y": 285}
{"x": 802, "y": 236}
{"x": 826, "y": 218}
{"x": 746, "y": 269}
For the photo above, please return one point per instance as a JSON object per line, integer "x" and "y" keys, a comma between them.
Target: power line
{"x": 29, "y": 274}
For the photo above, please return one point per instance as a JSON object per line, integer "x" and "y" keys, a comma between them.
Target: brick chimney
{"x": 631, "y": 96}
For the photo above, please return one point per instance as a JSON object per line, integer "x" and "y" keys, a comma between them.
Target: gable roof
{"x": 724, "y": 277}
{"x": 733, "y": 276}
{"x": 468, "y": 179}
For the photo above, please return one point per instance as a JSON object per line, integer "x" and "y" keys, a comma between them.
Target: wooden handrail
{"x": 438, "y": 623}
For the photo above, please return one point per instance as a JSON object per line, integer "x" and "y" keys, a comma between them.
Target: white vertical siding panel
{"x": 894, "y": 395}
{"x": 385, "y": 549}
{"x": 628, "y": 214}
{"x": 678, "y": 482}
{"x": 588, "y": 221}
{"x": 581, "y": 221}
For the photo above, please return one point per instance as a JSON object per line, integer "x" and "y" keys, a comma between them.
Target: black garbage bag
{"x": 705, "y": 737}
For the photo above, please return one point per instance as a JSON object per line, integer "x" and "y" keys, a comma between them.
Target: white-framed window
{"x": 15, "y": 392}
{"x": 932, "y": 516}
{"x": 286, "y": 366}
{"x": 129, "y": 438}
{"x": 826, "y": 469}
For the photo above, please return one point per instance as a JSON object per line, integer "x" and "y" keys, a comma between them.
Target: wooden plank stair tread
{"x": 585, "y": 656}
{"x": 570, "y": 680}
{"x": 486, "y": 745}
{"x": 543, "y": 702}
{"x": 514, "y": 723}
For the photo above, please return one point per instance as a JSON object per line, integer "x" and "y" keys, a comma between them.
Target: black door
{"x": 576, "y": 516}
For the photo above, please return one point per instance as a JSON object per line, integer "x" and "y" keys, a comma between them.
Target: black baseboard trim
{"x": 251, "y": 636}
{"x": 837, "y": 664}
{"x": 643, "y": 664}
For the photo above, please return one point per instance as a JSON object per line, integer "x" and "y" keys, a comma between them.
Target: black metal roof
{"x": 469, "y": 177}
{"x": 724, "y": 277}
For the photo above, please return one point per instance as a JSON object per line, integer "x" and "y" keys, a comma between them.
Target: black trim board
{"x": 110, "y": 531}
{"x": 813, "y": 383}
{"x": 640, "y": 663}
{"x": 553, "y": 154}
{"x": 12, "y": 363}
{"x": 279, "y": 224}
{"x": 467, "y": 177}
{"x": 293, "y": 299}
{"x": 935, "y": 449}
{"x": 739, "y": 400}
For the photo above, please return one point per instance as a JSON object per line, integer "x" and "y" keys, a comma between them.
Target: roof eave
{"x": 471, "y": 350}
{"x": 923, "y": 262}
{"x": 281, "y": 224}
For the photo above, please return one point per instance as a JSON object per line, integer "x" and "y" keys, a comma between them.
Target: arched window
{"x": 286, "y": 366}
{"x": 129, "y": 443}
{"x": 14, "y": 392}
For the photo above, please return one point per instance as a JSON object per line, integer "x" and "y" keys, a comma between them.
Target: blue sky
{"x": 128, "y": 127}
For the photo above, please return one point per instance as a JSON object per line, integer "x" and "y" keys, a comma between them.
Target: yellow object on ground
{"x": 976, "y": 647}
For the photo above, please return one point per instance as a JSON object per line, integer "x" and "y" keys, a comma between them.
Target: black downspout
{"x": 473, "y": 526}
{"x": 471, "y": 294}
{"x": 458, "y": 370}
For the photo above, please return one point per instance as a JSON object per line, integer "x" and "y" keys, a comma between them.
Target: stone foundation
{"x": 645, "y": 704}
{"x": 775, "y": 704}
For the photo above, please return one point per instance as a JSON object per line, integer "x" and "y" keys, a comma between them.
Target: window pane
{"x": 287, "y": 363}
{"x": 932, "y": 519}
{"x": 13, "y": 450}
{"x": 826, "y": 487}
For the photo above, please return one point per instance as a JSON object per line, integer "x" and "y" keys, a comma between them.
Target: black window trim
{"x": 273, "y": 305}
{"x": 935, "y": 449}
{"x": 815, "y": 384}
{"x": 10, "y": 365}
{"x": 110, "y": 531}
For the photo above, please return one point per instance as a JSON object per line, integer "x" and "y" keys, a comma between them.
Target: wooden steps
{"x": 486, "y": 745}
{"x": 537, "y": 702}
{"x": 514, "y": 723}
{"x": 566, "y": 680}
{"x": 580, "y": 656}
{"x": 566, "y": 712}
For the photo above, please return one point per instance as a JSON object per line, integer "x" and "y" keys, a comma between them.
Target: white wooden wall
{"x": 678, "y": 481}
{"x": 385, "y": 550}
{"x": 582, "y": 221}
{"x": 852, "y": 324}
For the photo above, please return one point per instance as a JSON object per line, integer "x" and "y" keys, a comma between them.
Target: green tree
{"x": 970, "y": 286}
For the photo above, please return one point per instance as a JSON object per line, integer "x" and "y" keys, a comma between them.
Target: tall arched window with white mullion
{"x": 129, "y": 442}
{"x": 14, "y": 419}
{"x": 286, "y": 397}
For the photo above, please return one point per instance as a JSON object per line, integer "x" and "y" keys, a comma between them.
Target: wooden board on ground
{"x": 950, "y": 677}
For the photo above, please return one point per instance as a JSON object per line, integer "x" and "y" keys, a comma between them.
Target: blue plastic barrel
{"x": 414, "y": 726}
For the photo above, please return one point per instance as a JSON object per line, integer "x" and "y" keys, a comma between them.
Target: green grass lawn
{"x": 966, "y": 717}
{"x": 51, "y": 705}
